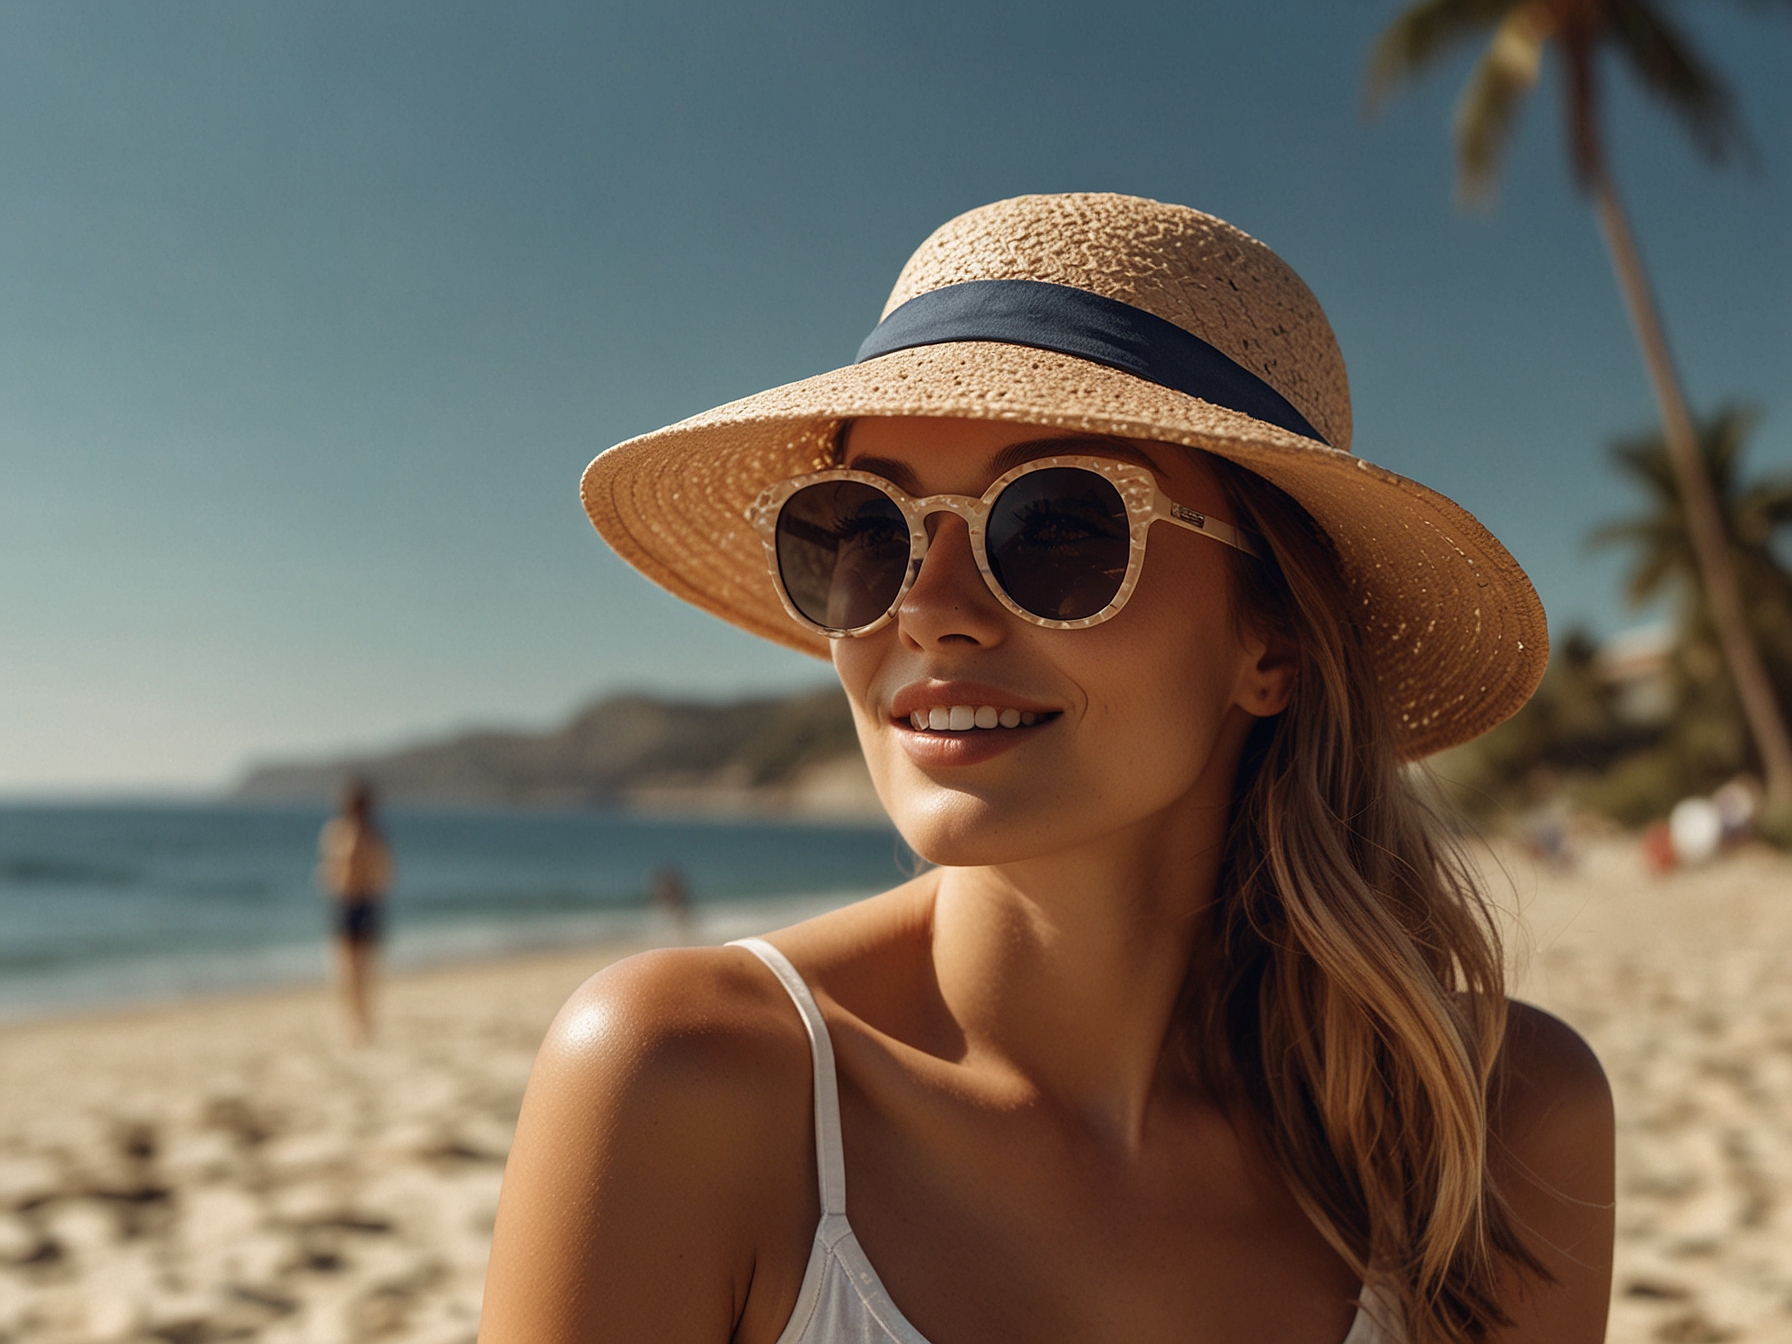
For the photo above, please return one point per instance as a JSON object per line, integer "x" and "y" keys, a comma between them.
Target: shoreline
{"x": 421, "y": 947}
{"x": 101, "y": 1013}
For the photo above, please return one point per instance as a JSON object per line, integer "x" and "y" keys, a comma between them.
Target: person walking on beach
{"x": 672, "y": 898}
{"x": 1196, "y": 1030}
{"x": 355, "y": 871}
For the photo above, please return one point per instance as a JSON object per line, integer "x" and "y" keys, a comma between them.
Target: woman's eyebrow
{"x": 902, "y": 476}
{"x": 1015, "y": 454}
{"x": 898, "y": 474}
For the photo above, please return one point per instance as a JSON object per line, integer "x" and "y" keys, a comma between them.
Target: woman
{"x": 355, "y": 869}
{"x": 1196, "y": 1030}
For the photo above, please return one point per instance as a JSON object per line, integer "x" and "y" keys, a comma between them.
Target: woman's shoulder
{"x": 1552, "y": 1133}
{"x": 666, "y": 1122}
{"x": 681, "y": 1024}
{"x": 703, "y": 1018}
{"x": 712, "y": 1024}
{"x": 669, "y": 1100}
{"x": 1546, "y": 1076}
{"x": 1550, "y": 1109}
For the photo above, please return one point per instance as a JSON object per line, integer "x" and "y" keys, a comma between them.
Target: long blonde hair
{"x": 1357, "y": 999}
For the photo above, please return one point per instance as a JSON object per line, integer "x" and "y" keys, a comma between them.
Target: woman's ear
{"x": 1266, "y": 672}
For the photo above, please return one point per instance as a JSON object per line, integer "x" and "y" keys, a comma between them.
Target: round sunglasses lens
{"x": 1058, "y": 541}
{"x": 842, "y": 553}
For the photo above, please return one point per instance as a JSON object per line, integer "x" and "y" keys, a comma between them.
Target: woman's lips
{"x": 964, "y": 748}
{"x": 930, "y": 696}
{"x": 958, "y": 723}
{"x": 966, "y": 718}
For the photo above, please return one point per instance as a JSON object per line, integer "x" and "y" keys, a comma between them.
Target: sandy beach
{"x": 1681, "y": 984}
{"x": 230, "y": 1170}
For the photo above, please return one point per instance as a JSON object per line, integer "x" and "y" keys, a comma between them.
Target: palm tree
{"x": 1755, "y": 512}
{"x": 1669, "y": 67}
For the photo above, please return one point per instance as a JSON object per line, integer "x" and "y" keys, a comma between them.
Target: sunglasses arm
{"x": 1172, "y": 512}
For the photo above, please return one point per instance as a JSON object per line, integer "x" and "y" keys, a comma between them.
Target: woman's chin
{"x": 1031, "y": 814}
{"x": 958, "y": 829}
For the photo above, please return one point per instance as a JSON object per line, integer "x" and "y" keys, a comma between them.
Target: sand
{"x": 1683, "y": 984}
{"x": 231, "y": 1170}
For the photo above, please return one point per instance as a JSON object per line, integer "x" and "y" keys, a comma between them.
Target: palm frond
{"x": 1422, "y": 33}
{"x": 1762, "y": 509}
{"x": 1774, "y": 502}
{"x": 1658, "y": 538}
{"x": 1672, "y": 69}
{"x": 1645, "y": 461}
{"x": 1487, "y": 112}
{"x": 1656, "y": 571}
{"x": 1726, "y": 438}
{"x": 1624, "y": 532}
{"x": 1659, "y": 545}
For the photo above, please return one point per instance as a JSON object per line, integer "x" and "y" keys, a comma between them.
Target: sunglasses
{"x": 1060, "y": 541}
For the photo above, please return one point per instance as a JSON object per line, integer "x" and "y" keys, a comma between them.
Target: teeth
{"x": 962, "y": 718}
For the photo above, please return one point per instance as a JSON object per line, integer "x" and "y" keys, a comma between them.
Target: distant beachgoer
{"x": 1197, "y": 1029}
{"x": 671, "y": 895}
{"x": 355, "y": 871}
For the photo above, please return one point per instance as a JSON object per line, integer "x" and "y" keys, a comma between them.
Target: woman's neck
{"x": 1067, "y": 968}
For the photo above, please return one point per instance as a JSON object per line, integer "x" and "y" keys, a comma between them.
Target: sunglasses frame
{"x": 1145, "y": 504}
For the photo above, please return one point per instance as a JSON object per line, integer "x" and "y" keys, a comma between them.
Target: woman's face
{"x": 1138, "y": 720}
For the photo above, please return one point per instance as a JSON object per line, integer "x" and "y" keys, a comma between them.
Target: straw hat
{"x": 1113, "y": 315}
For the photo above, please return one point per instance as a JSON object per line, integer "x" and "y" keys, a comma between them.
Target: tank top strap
{"x": 830, "y": 1159}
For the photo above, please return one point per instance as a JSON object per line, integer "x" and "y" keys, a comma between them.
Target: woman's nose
{"x": 949, "y": 603}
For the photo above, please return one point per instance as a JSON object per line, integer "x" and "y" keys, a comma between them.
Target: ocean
{"x": 117, "y": 904}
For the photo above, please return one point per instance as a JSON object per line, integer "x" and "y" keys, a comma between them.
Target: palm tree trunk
{"x": 1704, "y": 519}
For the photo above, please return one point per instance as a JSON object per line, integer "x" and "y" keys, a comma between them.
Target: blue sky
{"x": 311, "y": 314}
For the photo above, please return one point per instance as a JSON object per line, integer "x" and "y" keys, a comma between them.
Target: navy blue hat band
{"x": 1088, "y": 326}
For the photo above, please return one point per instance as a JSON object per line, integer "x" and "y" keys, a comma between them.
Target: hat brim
{"x": 1452, "y": 625}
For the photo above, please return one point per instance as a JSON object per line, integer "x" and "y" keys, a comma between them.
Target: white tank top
{"x": 842, "y": 1300}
